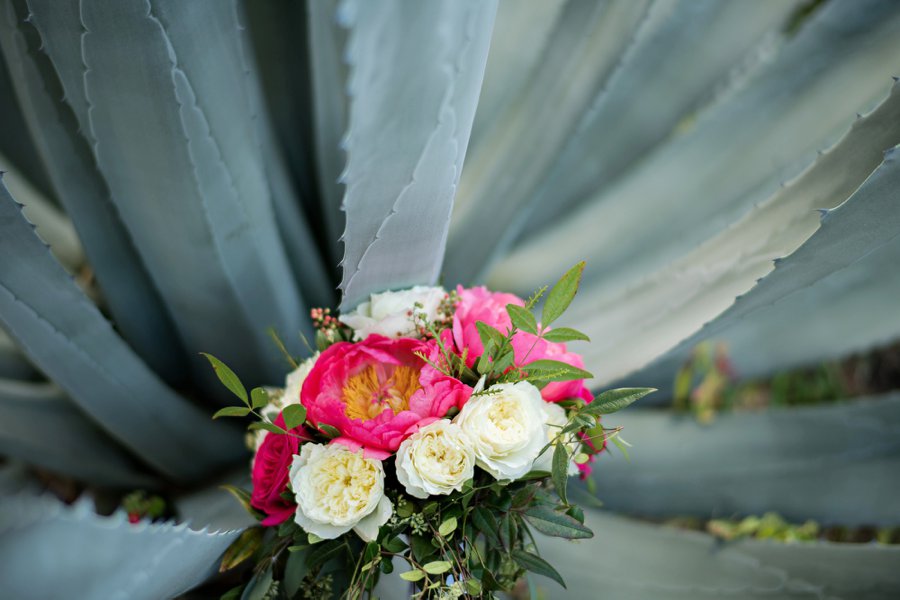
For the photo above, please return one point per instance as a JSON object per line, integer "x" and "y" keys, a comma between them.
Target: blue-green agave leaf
{"x": 826, "y": 463}
{"x": 13, "y": 364}
{"x": 695, "y": 53}
{"x": 69, "y": 340}
{"x": 330, "y": 74}
{"x": 92, "y": 556}
{"x": 173, "y": 132}
{"x": 415, "y": 71}
{"x": 274, "y": 30}
{"x": 511, "y": 63}
{"x": 51, "y": 225}
{"x": 41, "y": 426}
{"x": 584, "y": 49}
{"x": 16, "y": 140}
{"x": 739, "y": 150}
{"x": 636, "y": 323}
{"x": 833, "y": 296}
{"x": 132, "y": 298}
{"x": 634, "y": 560}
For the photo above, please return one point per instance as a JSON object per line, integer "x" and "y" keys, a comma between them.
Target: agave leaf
{"x": 699, "y": 50}
{"x": 302, "y": 248}
{"x": 406, "y": 143}
{"x": 585, "y": 46}
{"x": 737, "y": 154}
{"x": 634, "y": 324}
{"x": 510, "y": 62}
{"x": 330, "y": 74}
{"x": 39, "y": 535}
{"x": 67, "y": 337}
{"x": 638, "y": 560}
{"x": 53, "y": 226}
{"x": 173, "y": 132}
{"x": 38, "y": 424}
{"x": 16, "y": 140}
{"x": 13, "y": 364}
{"x": 131, "y": 296}
{"x": 825, "y": 463}
{"x": 833, "y": 296}
{"x": 216, "y": 505}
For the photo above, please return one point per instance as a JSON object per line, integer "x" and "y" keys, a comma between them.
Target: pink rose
{"x": 480, "y": 304}
{"x": 377, "y": 392}
{"x": 270, "y": 474}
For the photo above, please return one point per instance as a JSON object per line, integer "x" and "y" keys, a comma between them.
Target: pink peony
{"x": 377, "y": 392}
{"x": 480, "y": 304}
{"x": 270, "y": 474}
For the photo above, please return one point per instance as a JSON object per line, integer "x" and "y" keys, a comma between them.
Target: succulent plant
{"x": 222, "y": 167}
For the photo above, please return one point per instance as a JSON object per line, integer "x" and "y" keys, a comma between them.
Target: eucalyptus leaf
{"x": 437, "y": 567}
{"x": 556, "y": 524}
{"x": 295, "y": 571}
{"x": 536, "y": 564}
{"x": 560, "y": 470}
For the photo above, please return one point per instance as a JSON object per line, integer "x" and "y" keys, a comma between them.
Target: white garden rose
{"x": 436, "y": 460}
{"x": 391, "y": 313}
{"x": 506, "y": 426}
{"x": 556, "y": 420}
{"x": 338, "y": 490}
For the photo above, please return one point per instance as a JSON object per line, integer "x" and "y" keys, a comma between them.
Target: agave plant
{"x": 221, "y": 167}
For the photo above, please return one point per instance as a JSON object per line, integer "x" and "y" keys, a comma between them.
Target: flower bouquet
{"x": 431, "y": 430}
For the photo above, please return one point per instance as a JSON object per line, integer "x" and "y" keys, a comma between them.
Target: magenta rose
{"x": 480, "y": 304}
{"x": 270, "y": 474}
{"x": 378, "y": 392}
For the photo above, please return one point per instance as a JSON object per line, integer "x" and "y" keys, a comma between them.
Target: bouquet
{"x": 430, "y": 432}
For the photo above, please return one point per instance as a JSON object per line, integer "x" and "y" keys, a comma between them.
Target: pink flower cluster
{"x": 377, "y": 392}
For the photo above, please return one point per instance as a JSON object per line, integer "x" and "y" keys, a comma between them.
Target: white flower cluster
{"x": 391, "y": 314}
{"x": 502, "y": 431}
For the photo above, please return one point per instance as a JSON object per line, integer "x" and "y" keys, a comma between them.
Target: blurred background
{"x": 204, "y": 170}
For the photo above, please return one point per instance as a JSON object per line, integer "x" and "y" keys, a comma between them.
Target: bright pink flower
{"x": 270, "y": 474}
{"x": 480, "y": 304}
{"x": 377, "y": 392}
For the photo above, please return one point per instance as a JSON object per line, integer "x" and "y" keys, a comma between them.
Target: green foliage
{"x": 561, "y": 295}
{"x": 768, "y": 527}
{"x": 294, "y": 415}
{"x": 228, "y": 378}
{"x": 612, "y": 401}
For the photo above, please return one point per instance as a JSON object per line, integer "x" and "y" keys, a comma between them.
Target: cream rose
{"x": 338, "y": 490}
{"x": 391, "y": 313}
{"x": 556, "y": 420}
{"x": 435, "y": 460}
{"x": 506, "y": 426}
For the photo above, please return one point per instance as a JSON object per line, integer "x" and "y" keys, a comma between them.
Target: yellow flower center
{"x": 378, "y": 388}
